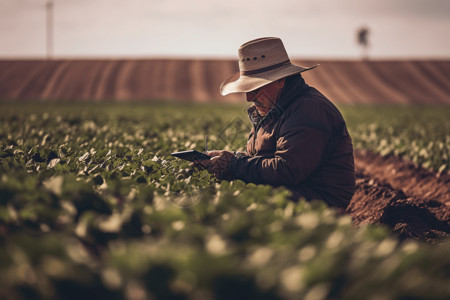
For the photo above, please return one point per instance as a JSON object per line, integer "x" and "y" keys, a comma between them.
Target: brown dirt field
{"x": 412, "y": 201}
{"x": 420, "y": 82}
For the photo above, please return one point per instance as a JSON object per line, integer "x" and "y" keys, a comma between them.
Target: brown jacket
{"x": 303, "y": 144}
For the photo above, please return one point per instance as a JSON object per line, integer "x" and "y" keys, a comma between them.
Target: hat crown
{"x": 261, "y": 53}
{"x": 261, "y": 62}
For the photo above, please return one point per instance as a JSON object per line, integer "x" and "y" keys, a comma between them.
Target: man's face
{"x": 265, "y": 97}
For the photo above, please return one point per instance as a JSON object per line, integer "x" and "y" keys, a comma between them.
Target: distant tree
{"x": 363, "y": 40}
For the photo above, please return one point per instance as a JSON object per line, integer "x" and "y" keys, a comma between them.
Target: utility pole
{"x": 49, "y": 6}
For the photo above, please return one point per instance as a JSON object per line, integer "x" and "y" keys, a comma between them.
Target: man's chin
{"x": 262, "y": 112}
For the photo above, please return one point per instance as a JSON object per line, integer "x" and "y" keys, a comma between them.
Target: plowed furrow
{"x": 414, "y": 202}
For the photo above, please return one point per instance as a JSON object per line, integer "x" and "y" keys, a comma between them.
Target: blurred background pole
{"x": 49, "y": 29}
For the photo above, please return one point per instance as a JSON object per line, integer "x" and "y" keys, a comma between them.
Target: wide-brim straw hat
{"x": 261, "y": 61}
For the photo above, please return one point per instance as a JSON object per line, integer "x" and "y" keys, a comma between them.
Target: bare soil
{"x": 198, "y": 80}
{"x": 412, "y": 201}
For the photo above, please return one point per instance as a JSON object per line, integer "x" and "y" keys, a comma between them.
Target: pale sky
{"x": 215, "y": 29}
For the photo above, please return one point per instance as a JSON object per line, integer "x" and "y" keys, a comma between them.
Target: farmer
{"x": 299, "y": 139}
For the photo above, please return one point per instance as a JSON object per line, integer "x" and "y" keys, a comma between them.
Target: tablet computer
{"x": 191, "y": 155}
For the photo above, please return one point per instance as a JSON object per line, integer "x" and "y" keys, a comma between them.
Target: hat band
{"x": 269, "y": 68}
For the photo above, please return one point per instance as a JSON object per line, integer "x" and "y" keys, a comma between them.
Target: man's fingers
{"x": 214, "y": 152}
{"x": 202, "y": 164}
{"x": 216, "y": 165}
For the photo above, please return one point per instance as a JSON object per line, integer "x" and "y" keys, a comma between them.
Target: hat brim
{"x": 238, "y": 83}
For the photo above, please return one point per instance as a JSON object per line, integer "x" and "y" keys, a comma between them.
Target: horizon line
{"x": 207, "y": 57}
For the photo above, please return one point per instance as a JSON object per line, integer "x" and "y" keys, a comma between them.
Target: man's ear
{"x": 281, "y": 82}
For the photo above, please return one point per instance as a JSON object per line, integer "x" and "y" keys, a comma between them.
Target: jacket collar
{"x": 293, "y": 88}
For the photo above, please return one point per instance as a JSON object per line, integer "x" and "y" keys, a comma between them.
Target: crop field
{"x": 92, "y": 205}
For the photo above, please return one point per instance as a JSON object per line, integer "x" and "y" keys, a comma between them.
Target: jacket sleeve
{"x": 298, "y": 153}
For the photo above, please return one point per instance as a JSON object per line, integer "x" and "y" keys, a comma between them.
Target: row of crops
{"x": 420, "y": 134}
{"x": 92, "y": 205}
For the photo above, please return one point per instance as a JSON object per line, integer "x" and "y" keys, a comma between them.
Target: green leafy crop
{"x": 420, "y": 134}
{"x": 92, "y": 205}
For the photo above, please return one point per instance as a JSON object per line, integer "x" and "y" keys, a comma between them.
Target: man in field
{"x": 299, "y": 139}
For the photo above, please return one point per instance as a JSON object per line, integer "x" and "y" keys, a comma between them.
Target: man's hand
{"x": 218, "y": 164}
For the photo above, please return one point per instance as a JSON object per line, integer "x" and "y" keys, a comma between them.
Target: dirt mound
{"x": 414, "y": 202}
{"x": 420, "y": 82}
